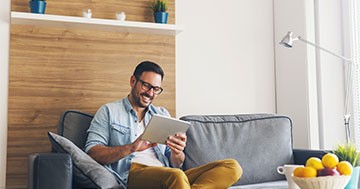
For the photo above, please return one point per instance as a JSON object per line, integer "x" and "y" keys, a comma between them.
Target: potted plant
{"x": 37, "y": 6}
{"x": 348, "y": 152}
{"x": 159, "y": 8}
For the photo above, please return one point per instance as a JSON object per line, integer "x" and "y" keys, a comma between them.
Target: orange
{"x": 309, "y": 172}
{"x": 344, "y": 168}
{"x": 298, "y": 171}
{"x": 315, "y": 163}
{"x": 330, "y": 160}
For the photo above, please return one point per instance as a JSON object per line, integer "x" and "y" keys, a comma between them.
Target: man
{"x": 114, "y": 139}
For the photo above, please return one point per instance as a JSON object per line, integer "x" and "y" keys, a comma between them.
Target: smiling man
{"x": 114, "y": 140}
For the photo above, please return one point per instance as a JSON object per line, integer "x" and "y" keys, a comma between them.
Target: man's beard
{"x": 137, "y": 98}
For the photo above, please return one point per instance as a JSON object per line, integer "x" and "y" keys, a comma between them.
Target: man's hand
{"x": 177, "y": 145}
{"x": 141, "y": 145}
{"x": 107, "y": 155}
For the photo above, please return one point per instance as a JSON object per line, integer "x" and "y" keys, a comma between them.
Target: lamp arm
{"x": 348, "y": 86}
{"x": 287, "y": 42}
{"x": 317, "y": 46}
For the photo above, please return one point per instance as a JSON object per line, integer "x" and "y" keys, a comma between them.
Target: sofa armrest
{"x": 50, "y": 170}
{"x": 301, "y": 155}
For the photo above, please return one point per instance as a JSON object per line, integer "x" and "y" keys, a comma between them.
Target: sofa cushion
{"x": 87, "y": 172}
{"x": 260, "y": 143}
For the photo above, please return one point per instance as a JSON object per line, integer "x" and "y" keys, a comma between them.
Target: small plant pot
{"x": 37, "y": 6}
{"x": 354, "y": 180}
{"x": 161, "y": 17}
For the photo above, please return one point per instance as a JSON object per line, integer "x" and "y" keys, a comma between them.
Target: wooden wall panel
{"x": 54, "y": 69}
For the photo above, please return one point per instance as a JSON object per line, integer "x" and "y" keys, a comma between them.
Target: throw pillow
{"x": 87, "y": 172}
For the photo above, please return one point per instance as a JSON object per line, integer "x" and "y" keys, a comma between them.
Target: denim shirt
{"x": 114, "y": 125}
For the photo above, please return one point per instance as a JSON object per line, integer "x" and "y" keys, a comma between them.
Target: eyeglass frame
{"x": 149, "y": 87}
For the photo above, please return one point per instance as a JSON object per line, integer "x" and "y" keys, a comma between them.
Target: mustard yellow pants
{"x": 216, "y": 175}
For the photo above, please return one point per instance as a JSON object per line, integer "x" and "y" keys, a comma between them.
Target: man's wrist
{"x": 132, "y": 148}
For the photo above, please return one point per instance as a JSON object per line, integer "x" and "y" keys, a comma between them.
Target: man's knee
{"x": 177, "y": 174}
{"x": 234, "y": 166}
{"x": 176, "y": 177}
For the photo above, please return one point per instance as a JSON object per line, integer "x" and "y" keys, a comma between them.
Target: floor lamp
{"x": 288, "y": 40}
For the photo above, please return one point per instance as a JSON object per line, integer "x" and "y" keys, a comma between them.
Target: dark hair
{"x": 147, "y": 66}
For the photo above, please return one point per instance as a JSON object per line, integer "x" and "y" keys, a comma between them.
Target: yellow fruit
{"x": 330, "y": 160}
{"x": 298, "y": 171}
{"x": 344, "y": 168}
{"x": 309, "y": 172}
{"x": 315, "y": 163}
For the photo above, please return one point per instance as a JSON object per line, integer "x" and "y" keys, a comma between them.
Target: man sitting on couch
{"x": 114, "y": 139}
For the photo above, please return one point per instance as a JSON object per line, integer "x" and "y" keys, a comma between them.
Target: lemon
{"x": 344, "y": 168}
{"x": 315, "y": 163}
{"x": 298, "y": 171}
{"x": 330, "y": 160}
{"x": 309, "y": 172}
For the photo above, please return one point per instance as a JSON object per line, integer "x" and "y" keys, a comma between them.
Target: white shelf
{"x": 93, "y": 23}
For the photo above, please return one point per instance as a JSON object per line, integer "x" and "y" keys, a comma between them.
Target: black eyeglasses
{"x": 147, "y": 86}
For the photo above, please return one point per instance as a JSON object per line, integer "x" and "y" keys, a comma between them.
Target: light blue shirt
{"x": 114, "y": 125}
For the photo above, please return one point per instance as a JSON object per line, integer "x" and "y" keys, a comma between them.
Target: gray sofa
{"x": 259, "y": 142}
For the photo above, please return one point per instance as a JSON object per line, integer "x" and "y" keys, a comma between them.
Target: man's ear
{"x": 132, "y": 81}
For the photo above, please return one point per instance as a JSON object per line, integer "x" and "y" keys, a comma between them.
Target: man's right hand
{"x": 141, "y": 145}
{"x": 107, "y": 155}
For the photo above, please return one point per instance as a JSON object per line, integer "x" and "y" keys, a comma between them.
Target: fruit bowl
{"x": 325, "y": 182}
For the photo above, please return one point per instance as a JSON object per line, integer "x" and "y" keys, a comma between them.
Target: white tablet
{"x": 161, "y": 127}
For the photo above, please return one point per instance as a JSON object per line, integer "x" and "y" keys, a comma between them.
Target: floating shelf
{"x": 93, "y": 23}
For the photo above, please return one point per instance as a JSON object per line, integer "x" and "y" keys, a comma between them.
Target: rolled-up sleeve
{"x": 98, "y": 132}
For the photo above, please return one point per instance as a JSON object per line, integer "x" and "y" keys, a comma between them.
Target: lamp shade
{"x": 287, "y": 41}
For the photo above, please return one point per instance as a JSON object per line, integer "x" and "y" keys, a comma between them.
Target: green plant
{"x": 347, "y": 152}
{"x": 159, "y": 5}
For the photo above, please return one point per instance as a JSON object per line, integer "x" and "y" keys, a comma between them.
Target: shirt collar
{"x": 129, "y": 107}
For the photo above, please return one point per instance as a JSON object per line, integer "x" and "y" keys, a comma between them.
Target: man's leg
{"x": 149, "y": 177}
{"x": 216, "y": 175}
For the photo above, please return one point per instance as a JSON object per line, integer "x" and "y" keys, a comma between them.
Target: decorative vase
{"x": 120, "y": 16}
{"x": 37, "y": 6}
{"x": 87, "y": 13}
{"x": 161, "y": 17}
{"x": 354, "y": 180}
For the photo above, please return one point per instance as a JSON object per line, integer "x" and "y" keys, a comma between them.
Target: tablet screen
{"x": 161, "y": 127}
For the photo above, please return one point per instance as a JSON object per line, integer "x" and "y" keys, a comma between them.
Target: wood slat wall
{"x": 54, "y": 69}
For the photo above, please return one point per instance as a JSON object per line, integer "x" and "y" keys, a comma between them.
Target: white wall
{"x": 310, "y": 83}
{"x": 225, "y": 57}
{"x": 225, "y": 63}
{"x": 296, "y": 87}
{"x": 332, "y": 72}
{"x": 4, "y": 65}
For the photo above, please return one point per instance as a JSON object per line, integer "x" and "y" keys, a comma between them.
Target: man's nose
{"x": 150, "y": 92}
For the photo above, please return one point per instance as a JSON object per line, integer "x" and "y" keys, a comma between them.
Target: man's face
{"x": 141, "y": 96}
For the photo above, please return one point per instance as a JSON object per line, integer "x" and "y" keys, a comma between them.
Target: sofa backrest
{"x": 73, "y": 125}
{"x": 259, "y": 142}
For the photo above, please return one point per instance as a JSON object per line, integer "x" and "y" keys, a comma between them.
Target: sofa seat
{"x": 266, "y": 185}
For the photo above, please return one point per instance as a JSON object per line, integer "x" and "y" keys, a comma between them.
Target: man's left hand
{"x": 177, "y": 143}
